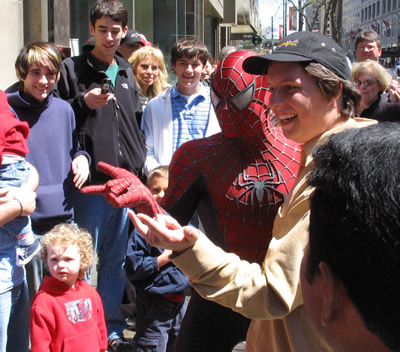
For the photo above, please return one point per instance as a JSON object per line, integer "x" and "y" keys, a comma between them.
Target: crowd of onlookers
{"x": 284, "y": 211}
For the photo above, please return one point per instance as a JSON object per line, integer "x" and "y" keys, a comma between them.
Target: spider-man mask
{"x": 239, "y": 98}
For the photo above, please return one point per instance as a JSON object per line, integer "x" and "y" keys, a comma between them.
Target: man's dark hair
{"x": 189, "y": 47}
{"x": 355, "y": 222}
{"x": 368, "y": 35}
{"x": 111, "y": 8}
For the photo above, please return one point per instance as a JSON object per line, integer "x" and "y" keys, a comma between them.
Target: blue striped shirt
{"x": 190, "y": 115}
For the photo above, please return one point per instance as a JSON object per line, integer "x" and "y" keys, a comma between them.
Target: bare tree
{"x": 331, "y": 11}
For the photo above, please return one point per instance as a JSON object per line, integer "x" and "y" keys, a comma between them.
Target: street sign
{"x": 242, "y": 36}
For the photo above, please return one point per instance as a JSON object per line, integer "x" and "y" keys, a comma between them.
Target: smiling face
{"x": 146, "y": 72}
{"x": 64, "y": 263}
{"x": 107, "y": 35}
{"x": 188, "y": 73}
{"x": 303, "y": 111}
{"x": 39, "y": 82}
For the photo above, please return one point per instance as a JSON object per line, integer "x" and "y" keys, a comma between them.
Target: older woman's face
{"x": 368, "y": 86}
{"x": 146, "y": 72}
{"x": 302, "y": 110}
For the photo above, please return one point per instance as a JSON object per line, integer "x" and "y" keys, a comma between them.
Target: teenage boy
{"x": 183, "y": 112}
{"x": 53, "y": 144}
{"x": 108, "y": 131}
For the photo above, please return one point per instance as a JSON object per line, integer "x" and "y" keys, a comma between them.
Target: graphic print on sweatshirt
{"x": 79, "y": 310}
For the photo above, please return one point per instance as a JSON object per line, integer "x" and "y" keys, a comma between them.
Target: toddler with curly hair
{"x": 67, "y": 313}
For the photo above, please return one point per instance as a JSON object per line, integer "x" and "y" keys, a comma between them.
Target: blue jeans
{"x": 34, "y": 273}
{"x": 109, "y": 228}
{"x": 158, "y": 321}
{"x": 14, "y": 319}
{"x": 14, "y": 175}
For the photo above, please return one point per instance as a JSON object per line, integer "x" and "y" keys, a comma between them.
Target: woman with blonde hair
{"x": 150, "y": 72}
{"x": 372, "y": 80}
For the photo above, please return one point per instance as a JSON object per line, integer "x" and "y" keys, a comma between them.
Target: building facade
{"x": 383, "y": 16}
{"x": 163, "y": 22}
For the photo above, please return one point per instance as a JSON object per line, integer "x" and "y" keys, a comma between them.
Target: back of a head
{"x": 355, "y": 223}
{"x": 111, "y": 8}
{"x": 225, "y": 51}
{"x": 189, "y": 47}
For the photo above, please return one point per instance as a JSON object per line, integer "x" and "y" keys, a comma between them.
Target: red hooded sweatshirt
{"x": 13, "y": 132}
{"x": 66, "y": 319}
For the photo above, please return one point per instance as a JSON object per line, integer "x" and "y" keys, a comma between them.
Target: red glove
{"x": 125, "y": 190}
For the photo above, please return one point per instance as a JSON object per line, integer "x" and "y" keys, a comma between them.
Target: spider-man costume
{"x": 236, "y": 180}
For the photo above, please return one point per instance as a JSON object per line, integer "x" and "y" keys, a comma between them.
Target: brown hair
{"x": 39, "y": 53}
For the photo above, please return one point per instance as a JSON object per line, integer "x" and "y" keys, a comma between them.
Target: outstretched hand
{"x": 125, "y": 190}
{"x": 164, "y": 232}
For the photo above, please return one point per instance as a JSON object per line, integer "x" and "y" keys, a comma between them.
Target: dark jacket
{"x": 110, "y": 133}
{"x": 382, "y": 110}
{"x": 53, "y": 144}
{"x": 142, "y": 269}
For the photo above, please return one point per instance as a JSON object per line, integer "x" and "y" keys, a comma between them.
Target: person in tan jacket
{"x": 312, "y": 98}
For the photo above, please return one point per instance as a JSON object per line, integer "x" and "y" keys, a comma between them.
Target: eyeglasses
{"x": 368, "y": 48}
{"x": 365, "y": 84}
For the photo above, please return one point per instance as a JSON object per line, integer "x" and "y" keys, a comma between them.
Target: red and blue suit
{"x": 236, "y": 180}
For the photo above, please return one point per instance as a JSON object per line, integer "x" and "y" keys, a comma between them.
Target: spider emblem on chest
{"x": 261, "y": 184}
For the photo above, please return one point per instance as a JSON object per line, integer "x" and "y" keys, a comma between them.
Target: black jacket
{"x": 110, "y": 133}
{"x": 382, "y": 110}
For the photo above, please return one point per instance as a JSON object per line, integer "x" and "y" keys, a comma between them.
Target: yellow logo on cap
{"x": 288, "y": 43}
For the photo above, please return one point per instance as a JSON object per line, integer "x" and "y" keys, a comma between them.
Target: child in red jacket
{"x": 14, "y": 172}
{"x": 67, "y": 313}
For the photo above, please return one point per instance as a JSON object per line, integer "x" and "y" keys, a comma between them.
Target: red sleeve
{"x": 2, "y": 141}
{"x": 15, "y": 132}
{"x": 101, "y": 323}
{"x": 39, "y": 330}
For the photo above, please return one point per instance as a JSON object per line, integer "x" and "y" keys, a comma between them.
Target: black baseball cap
{"x": 303, "y": 47}
{"x": 132, "y": 37}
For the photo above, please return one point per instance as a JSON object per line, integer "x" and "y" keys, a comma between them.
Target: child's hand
{"x": 80, "y": 169}
{"x": 163, "y": 258}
